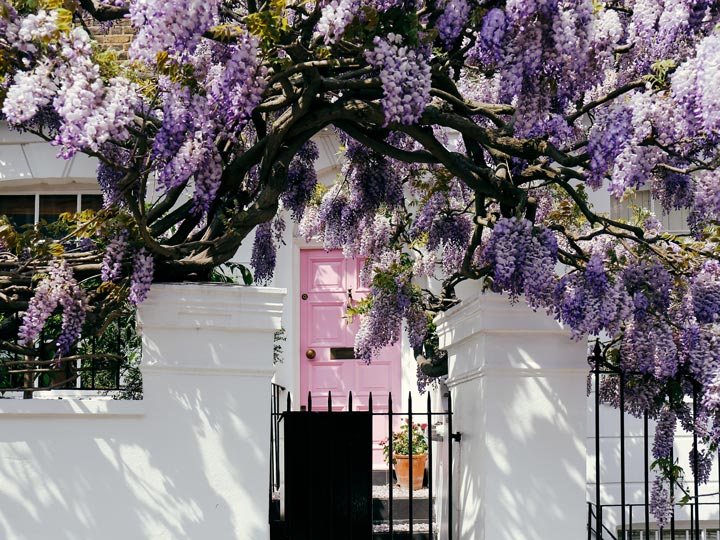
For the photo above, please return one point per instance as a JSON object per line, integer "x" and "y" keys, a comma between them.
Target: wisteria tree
{"x": 471, "y": 132}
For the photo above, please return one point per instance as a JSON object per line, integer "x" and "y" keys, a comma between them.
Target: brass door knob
{"x": 310, "y": 354}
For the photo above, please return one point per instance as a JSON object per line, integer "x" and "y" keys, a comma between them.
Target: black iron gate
{"x": 635, "y": 519}
{"x": 323, "y": 473}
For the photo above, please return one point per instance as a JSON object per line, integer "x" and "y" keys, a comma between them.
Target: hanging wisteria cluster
{"x": 452, "y": 21}
{"x": 394, "y": 299}
{"x": 142, "y": 276}
{"x": 58, "y": 289}
{"x": 470, "y": 133}
{"x": 175, "y": 27}
{"x": 522, "y": 260}
{"x": 91, "y": 110}
{"x": 120, "y": 253}
{"x": 405, "y": 76}
{"x": 302, "y": 179}
{"x": 113, "y": 260}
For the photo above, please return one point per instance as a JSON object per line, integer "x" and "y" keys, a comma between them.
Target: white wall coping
{"x": 71, "y": 407}
{"x": 511, "y": 372}
{"x": 213, "y": 370}
{"x": 490, "y": 313}
{"x": 487, "y": 336}
{"x": 215, "y": 306}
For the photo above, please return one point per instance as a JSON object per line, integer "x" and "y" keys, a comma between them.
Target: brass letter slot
{"x": 342, "y": 353}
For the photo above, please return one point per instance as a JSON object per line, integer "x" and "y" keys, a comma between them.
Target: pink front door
{"x": 327, "y": 365}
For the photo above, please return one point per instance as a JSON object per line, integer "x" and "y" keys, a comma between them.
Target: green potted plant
{"x": 401, "y": 453}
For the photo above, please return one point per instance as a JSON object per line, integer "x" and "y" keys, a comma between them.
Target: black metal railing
{"x": 628, "y": 512}
{"x": 275, "y": 418}
{"x": 392, "y": 413}
{"x": 642, "y": 529}
{"x": 97, "y": 363}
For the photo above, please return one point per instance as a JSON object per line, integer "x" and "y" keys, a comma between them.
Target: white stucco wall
{"x": 190, "y": 461}
{"x": 518, "y": 388}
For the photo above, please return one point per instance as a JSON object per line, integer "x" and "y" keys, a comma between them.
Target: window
{"x": 675, "y": 221}
{"x": 19, "y": 208}
{"x": 51, "y": 206}
{"x": 29, "y": 209}
{"x": 91, "y": 202}
{"x": 88, "y": 376}
{"x": 623, "y": 209}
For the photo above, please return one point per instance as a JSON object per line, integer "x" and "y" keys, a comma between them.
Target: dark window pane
{"x": 19, "y": 208}
{"x": 91, "y": 202}
{"x": 51, "y": 206}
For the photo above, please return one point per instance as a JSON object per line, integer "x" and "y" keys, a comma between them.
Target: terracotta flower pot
{"x": 402, "y": 470}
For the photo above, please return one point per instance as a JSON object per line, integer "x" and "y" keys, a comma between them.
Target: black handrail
{"x": 591, "y": 515}
{"x": 275, "y": 418}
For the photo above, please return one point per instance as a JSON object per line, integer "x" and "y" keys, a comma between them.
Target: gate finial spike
{"x": 597, "y": 357}
{"x": 370, "y": 403}
{"x": 309, "y": 401}
{"x": 350, "y": 401}
{"x": 289, "y": 402}
{"x": 329, "y": 400}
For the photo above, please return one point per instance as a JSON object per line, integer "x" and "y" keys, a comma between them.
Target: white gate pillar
{"x": 518, "y": 388}
{"x": 207, "y": 365}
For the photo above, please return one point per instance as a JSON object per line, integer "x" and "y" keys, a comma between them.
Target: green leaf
{"x": 64, "y": 20}
{"x": 267, "y": 25}
{"x": 51, "y": 4}
{"x": 161, "y": 59}
{"x": 246, "y": 274}
{"x": 225, "y": 32}
{"x": 56, "y": 249}
{"x": 107, "y": 287}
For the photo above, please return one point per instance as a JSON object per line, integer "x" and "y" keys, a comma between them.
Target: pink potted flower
{"x": 401, "y": 453}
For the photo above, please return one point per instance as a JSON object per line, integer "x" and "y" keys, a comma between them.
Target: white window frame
{"x": 38, "y": 194}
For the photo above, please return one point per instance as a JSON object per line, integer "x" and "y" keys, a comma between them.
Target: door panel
{"x": 374, "y": 378}
{"x": 327, "y": 275}
{"x": 325, "y": 330}
{"x": 328, "y": 283}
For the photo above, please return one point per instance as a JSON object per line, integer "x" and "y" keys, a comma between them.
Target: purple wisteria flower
{"x": 142, "y": 276}
{"x": 523, "y": 260}
{"x": 664, "y": 434}
{"x": 112, "y": 261}
{"x": 59, "y": 289}
{"x": 173, "y": 26}
{"x": 661, "y": 505}
{"x": 452, "y": 20}
{"x": 405, "y": 76}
